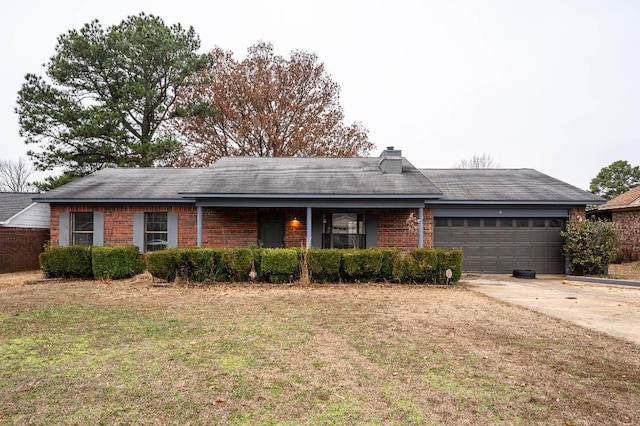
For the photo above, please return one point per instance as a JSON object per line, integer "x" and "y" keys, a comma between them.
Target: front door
{"x": 271, "y": 229}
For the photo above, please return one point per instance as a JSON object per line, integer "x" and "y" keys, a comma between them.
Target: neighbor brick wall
{"x": 576, "y": 213}
{"x": 20, "y": 248}
{"x": 627, "y": 228}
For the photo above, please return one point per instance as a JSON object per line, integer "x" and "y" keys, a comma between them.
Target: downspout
{"x": 309, "y": 226}
{"x": 420, "y": 227}
{"x": 199, "y": 226}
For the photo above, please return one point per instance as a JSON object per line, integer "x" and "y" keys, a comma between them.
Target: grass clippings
{"x": 101, "y": 352}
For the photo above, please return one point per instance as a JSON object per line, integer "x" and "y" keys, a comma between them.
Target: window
{"x": 442, "y": 222}
{"x": 155, "y": 231}
{"x": 457, "y": 222}
{"x": 522, "y": 223}
{"x": 489, "y": 222}
{"x": 343, "y": 230}
{"x": 473, "y": 222}
{"x": 82, "y": 229}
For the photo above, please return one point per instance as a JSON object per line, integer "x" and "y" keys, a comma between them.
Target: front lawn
{"x": 95, "y": 352}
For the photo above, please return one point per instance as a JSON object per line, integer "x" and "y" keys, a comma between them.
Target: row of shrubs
{"x": 89, "y": 262}
{"x": 321, "y": 265}
{"x": 266, "y": 265}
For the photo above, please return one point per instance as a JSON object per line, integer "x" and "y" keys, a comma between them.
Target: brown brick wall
{"x": 118, "y": 221}
{"x": 238, "y": 227}
{"x": 20, "y": 248}
{"x": 627, "y": 225}
{"x": 399, "y": 228}
{"x": 578, "y": 213}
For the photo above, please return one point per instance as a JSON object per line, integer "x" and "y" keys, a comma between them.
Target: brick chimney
{"x": 391, "y": 161}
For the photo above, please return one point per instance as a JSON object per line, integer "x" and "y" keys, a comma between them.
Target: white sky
{"x": 550, "y": 85}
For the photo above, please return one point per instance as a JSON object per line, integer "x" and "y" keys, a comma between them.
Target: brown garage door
{"x": 500, "y": 245}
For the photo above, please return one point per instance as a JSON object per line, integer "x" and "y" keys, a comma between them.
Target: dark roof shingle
{"x": 12, "y": 203}
{"x": 508, "y": 185}
{"x": 255, "y": 176}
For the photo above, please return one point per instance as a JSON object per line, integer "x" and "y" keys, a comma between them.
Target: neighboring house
{"x": 321, "y": 203}
{"x": 624, "y": 212}
{"x": 24, "y": 230}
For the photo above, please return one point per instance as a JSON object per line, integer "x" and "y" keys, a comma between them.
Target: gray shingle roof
{"x": 258, "y": 176}
{"x": 130, "y": 184}
{"x": 508, "y": 185}
{"x": 12, "y": 203}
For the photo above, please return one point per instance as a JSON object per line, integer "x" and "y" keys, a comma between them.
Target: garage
{"x": 502, "y": 244}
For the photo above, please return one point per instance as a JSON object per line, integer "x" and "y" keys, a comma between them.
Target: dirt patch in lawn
{"x": 81, "y": 352}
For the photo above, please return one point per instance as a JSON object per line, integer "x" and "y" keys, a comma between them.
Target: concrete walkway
{"x": 610, "y": 309}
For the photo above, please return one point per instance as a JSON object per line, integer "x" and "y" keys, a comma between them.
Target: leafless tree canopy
{"x": 264, "y": 105}
{"x": 14, "y": 176}
{"x": 484, "y": 161}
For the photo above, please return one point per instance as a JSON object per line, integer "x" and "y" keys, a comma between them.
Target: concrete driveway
{"x": 610, "y": 309}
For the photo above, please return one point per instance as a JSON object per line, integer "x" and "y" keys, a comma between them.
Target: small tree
{"x": 484, "y": 161}
{"x": 589, "y": 246}
{"x": 14, "y": 175}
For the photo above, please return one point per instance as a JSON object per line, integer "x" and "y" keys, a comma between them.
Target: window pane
{"x": 522, "y": 223}
{"x": 555, "y": 223}
{"x": 506, "y": 223}
{"x": 490, "y": 222}
{"x": 538, "y": 223}
{"x": 457, "y": 222}
{"x": 473, "y": 222}
{"x": 442, "y": 222}
{"x": 83, "y": 239}
{"x": 83, "y": 222}
{"x": 156, "y": 222}
{"x": 156, "y": 241}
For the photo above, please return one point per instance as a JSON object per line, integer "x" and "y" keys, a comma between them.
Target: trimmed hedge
{"x": 116, "y": 262}
{"x": 106, "y": 262}
{"x": 66, "y": 262}
{"x": 324, "y": 265}
{"x": 280, "y": 265}
{"x": 362, "y": 265}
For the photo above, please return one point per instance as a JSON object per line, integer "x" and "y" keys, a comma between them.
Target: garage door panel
{"x": 523, "y": 243}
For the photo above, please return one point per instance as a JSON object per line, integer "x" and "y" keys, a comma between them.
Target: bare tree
{"x": 266, "y": 106}
{"x": 484, "y": 161}
{"x": 14, "y": 175}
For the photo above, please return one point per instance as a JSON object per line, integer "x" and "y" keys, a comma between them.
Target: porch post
{"x": 420, "y": 227}
{"x": 199, "y": 226}
{"x": 309, "y": 227}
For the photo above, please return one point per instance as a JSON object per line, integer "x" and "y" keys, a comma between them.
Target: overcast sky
{"x": 550, "y": 85}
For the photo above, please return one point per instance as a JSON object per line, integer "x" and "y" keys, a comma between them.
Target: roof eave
{"x": 519, "y": 202}
{"x": 112, "y": 200}
{"x": 307, "y": 196}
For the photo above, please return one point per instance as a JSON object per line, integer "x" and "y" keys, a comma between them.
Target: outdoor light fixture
{"x": 295, "y": 222}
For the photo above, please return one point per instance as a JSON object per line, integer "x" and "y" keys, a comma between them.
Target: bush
{"x": 324, "y": 264}
{"x": 116, "y": 262}
{"x": 66, "y": 262}
{"x": 196, "y": 264}
{"x": 235, "y": 264}
{"x": 449, "y": 259}
{"x": 362, "y": 265}
{"x": 389, "y": 257}
{"x": 163, "y": 264}
{"x": 280, "y": 265}
{"x": 417, "y": 266}
{"x": 589, "y": 246}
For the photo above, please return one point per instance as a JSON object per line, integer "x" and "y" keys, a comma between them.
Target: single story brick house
{"x": 624, "y": 212}
{"x": 503, "y": 219}
{"x": 24, "y": 230}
